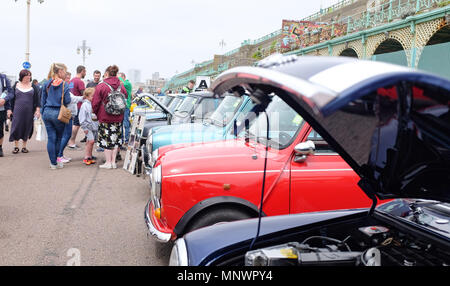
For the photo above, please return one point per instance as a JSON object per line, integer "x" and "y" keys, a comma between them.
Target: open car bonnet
{"x": 391, "y": 124}
{"x": 150, "y": 99}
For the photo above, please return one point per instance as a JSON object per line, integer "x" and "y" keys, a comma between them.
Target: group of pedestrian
{"x": 89, "y": 106}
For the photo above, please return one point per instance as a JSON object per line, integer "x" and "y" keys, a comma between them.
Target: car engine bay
{"x": 372, "y": 245}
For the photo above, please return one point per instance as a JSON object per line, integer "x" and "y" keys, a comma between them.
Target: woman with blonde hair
{"x": 54, "y": 92}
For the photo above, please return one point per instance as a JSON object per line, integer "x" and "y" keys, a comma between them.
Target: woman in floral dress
{"x": 110, "y": 126}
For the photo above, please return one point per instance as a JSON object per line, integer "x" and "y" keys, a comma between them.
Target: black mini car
{"x": 392, "y": 126}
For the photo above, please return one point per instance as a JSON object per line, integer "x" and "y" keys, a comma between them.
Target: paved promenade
{"x": 79, "y": 214}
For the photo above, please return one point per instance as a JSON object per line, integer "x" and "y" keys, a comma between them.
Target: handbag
{"x": 64, "y": 113}
{"x": 41, "y": 134}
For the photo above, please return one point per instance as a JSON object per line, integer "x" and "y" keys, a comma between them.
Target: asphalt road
{"x": 78, "y": 215}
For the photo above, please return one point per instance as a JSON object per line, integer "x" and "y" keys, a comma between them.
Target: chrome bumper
{"x": 158, "y": 235}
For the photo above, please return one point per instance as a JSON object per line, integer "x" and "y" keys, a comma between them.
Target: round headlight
{"x": 154, "y": 157}
{"x": 150, "y": 141}
{"x": 149, "y": 147}
{"x": 156, "y": 184}
{"x": 178, "y": 256}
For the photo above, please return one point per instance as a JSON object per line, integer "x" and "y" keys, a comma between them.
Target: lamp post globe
{"x": 83, "y": 49}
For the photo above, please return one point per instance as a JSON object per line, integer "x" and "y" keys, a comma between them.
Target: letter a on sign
{"x": 202, "y": 82}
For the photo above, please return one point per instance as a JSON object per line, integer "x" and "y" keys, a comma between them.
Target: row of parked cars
{"x": 303, "y": 161}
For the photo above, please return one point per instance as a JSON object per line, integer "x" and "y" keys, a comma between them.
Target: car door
{"x": 323, "y": 181}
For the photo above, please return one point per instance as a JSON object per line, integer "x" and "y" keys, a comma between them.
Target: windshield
{"x": 165, "y": 101}
{"x": 284, "y": 124}
{"x": 186, "y": 107}
{"x": 226, "y": 110}
{"x": 433, "y": 215}
{"x": 174, "y": 104}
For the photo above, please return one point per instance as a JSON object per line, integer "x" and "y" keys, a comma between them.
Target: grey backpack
{"x": 116, "y": 101}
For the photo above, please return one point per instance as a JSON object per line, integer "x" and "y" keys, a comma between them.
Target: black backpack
{"x": 117, "y": 103}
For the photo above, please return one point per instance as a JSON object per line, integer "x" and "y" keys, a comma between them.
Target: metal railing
{"x": 324, "y": 11}
{"x": 179, "y": 81}
{"x": 262, "y": 39}
{"x": 204, "y": 64}
{"x": 386, "y": 12}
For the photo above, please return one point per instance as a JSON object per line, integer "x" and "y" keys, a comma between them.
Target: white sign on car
{"x": 202, "y": 83}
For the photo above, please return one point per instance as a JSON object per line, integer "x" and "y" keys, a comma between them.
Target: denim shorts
{"x": 92, "y": 135}
{"x": 76, "y": 120}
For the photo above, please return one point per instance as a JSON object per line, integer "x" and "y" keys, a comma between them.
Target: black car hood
{"x": 239, "y": 234}
{"x": 390, "y": 123}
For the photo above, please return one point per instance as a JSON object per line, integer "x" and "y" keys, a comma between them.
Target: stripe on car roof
{"x": 338, "y": 79}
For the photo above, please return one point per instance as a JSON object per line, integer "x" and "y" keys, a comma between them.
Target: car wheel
{"x": 217, "y": 215}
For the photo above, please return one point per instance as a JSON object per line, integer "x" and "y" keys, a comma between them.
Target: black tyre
{"x": 217, "y": 215}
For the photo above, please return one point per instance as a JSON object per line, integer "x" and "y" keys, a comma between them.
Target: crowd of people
{"x": 26, "y": 101}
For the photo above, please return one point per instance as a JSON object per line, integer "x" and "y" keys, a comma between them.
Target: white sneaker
{"x": 60, "y": 165}
{"x": 63, "y": 160}
{"x": 73, "y": 147}
{"x": 53, "y": 167}
{"x": 114, "y": 165}
{"x": 66, "y": 159}
{"x": 106, "y": 166}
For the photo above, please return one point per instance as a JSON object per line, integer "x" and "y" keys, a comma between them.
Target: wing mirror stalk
{"x": 304, "y": 149}
{"x": 247, "y": 131}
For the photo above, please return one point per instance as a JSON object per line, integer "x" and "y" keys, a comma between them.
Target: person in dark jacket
{"x": 52, "y": 94}
{"x": 110, "y": 126}
{"x": 24, "y": 105}
{"x": 96, "y": 81}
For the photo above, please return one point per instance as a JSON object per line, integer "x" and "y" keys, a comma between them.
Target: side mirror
{"x": 304, "y": 149}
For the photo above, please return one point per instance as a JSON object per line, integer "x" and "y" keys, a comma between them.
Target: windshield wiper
{"x": 219, "y": 123}
{"x": 207, "y": 121}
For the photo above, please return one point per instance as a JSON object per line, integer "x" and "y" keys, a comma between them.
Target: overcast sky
{"x": 152, "y": 36}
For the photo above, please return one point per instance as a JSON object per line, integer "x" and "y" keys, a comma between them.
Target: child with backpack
{"x": 88, "y": 125}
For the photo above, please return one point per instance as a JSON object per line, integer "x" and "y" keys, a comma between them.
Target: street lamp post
{"x": 222, "y": 44}
{"x": 83, "y": 48}
{"x": 27, "y": 50}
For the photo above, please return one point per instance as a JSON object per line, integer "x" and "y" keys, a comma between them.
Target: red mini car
{"x": 205, "y": 184}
